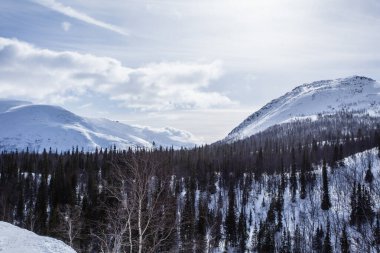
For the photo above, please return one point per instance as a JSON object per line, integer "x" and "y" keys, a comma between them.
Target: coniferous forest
{"x": 303, "y": 186}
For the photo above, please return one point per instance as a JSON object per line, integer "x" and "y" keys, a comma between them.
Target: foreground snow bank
{"x": 17, "y": 240}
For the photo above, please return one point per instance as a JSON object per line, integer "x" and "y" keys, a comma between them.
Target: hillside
{"x": 309, "y": 100}
{"x": 26, "y": 125}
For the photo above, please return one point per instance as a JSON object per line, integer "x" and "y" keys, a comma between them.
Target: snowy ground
{"x": 17, "y": 240}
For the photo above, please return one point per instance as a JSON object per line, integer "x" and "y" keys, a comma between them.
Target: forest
{"x": 303, "y": 186}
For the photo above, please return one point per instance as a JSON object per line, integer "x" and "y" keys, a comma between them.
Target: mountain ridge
{"x": 311, "y": 99}
{"x": 38, "y": 126}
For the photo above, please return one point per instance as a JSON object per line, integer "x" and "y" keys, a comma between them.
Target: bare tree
{"x": 70, "y": 225}
{"x": 140, "y": 208}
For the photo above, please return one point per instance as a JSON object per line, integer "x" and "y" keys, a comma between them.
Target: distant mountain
{"x": 34, "y": 126}
{"x": 16, "y": 240}
{"x": 355, "y": 93}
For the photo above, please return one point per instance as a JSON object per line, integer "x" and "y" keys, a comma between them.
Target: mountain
{"x": 15, "y": 240}
{"x": 355, "y": 93}
{"x": 35, "y": 126}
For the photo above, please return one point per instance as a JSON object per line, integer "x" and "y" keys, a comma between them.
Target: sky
{"x": 201, "y": 65}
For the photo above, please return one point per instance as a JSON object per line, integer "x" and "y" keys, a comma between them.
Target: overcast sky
{"x": 199, "y": 65}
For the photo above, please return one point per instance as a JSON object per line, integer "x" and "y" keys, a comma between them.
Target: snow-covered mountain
{"x": 309, "y": 100}
{"x": 17, "y": 240}
{"x": 23, "y": 124}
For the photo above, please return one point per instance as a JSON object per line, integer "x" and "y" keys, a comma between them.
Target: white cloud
{"x": 66, "y": 26}
{"x": 43, "y": 75}
{"x": 68, "y": 11}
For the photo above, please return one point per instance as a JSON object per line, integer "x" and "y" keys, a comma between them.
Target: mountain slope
{"x": 15, "y": 240}
{"x": 309, "y": 100}
{"x": 43, "y": 126}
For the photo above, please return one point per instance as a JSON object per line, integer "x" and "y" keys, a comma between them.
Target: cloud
{"x": 68, "y": 11}
{"x": 43, "y": 75}
{"x": 66, "y": 26}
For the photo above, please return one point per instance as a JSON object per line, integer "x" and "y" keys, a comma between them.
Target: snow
{"x": 26, "y": 125}
{"x": 16, "y": 240}
{"x": 307, "y": 213}
{"x": 308, "y": 100}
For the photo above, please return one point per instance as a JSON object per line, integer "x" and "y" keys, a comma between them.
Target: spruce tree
{"x": 297, "y": 240}
{"x": 187, "y": 221}
{"x": 325, "y": 204}
{"x": 327, "y": 247}
{"x": 286, "y": 245}
{"x": 254, "y": 239}
{"x": 369, "y": 175}
{"x": 20, "y": 207}
{"x": 242, "y": 231}
{"x": 354, "y": 205}
{"x": 201, "y": 224}
{"x": 304, "y": 168}
{"x": 41, "y": 208}
{"x": 317, "y": 240}
{"x": 377, "y": 232}
{"x": 293, "y": 177}
{"x": 344, "y": 241}
{"x": 230, "y": 222}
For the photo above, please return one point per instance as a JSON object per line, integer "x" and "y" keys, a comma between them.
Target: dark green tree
{"x": 327, "y": 247}
{"x": 242, "y": 231}
{"x": 286, "y": 244}
{"x": 317, "y": 243}
{"x": 230, "y": 222}
{"x": 293, "y": 177}
{"x": 369, "y": 175}
{"x": 325, "y": 204}
{"x": 344, "y": 241}
{"x": 305, "y": 167}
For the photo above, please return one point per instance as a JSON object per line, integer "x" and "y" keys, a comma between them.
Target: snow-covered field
{"x": 308, "y": 100}
{"x": 17, "y": 240}
{"x": 25, "y": 125}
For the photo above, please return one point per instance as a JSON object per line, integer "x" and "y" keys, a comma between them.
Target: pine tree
{"x": 279, "y": 207}
{"x": 242, "y": 231}
{"x": 377, "y": 231}
{"x": 201, "y": 225}
{"x": 187, "y": 221}
{"x": 254, "y": 239}
{"x": 327, "y": 247}
{"x": 293, "y": 177}
{"x": 41, "y": 207}
{"x": 216, "y": 233}
{"x": 297, "y": 240}
{"x": 283, "y": 176}
{"x": 344, "y": 241}
{"x": 230, "y": 222}
{"x": 317, "y": 240}
{"x": 325, "y": 204}
{"x": 304, "y": 168}
{"x": 286, "y": 245}
{"x": 20, "y": 206}
{"x": 361, "y": 206}
{"x": 369, "y": 175}
{"x": 353, "y": 203}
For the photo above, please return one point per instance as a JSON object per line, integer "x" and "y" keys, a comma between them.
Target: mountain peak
{"x": 309, "y": 100}
{"x": 37, "y": 127}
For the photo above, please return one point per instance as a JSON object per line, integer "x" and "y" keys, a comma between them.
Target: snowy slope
{"x": 17, "y": 240}
{"x": 307, "y": 213}
{"x": 308, "y": 100}
{"x": 43, "y": 126}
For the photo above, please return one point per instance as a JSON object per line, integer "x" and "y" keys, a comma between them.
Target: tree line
{"x": 240, "y": 196}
